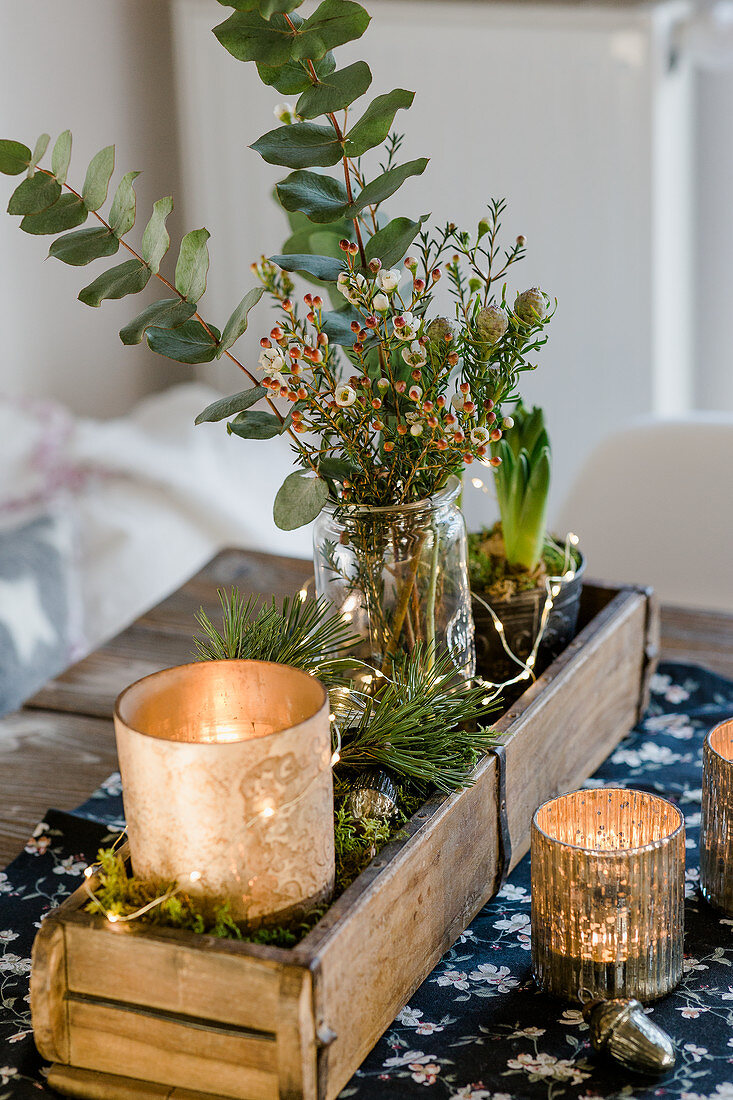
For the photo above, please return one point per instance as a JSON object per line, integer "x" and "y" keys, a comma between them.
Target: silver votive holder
{"x": 716, "y": 832}
{"x": 608, "y": 894}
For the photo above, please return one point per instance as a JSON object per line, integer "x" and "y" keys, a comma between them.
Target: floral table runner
{"x": 477, "y": 1029}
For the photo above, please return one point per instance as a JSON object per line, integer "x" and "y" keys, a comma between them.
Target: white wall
{"x": 102, "y": 69}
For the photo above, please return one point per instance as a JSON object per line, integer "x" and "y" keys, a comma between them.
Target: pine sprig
{"x": 301, "y": 633}
{"x": 422, "y": 725}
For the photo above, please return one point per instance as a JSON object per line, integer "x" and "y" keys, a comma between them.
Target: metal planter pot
{"x": 521, "y": 615}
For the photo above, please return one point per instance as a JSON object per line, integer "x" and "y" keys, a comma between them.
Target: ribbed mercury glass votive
{"x": 716, "y": 833}
{"x": 608, "y": 894}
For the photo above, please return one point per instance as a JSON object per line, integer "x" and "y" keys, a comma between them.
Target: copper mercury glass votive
{"x": 227, "y": 785}
{"x": 716, "y": 831}
{"x": 608, "y": 894}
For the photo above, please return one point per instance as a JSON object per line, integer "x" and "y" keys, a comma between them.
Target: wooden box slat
{"x": 323, "y": 1004}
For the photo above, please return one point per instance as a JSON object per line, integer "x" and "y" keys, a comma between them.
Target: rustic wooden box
{"x": 123, "y": 1011}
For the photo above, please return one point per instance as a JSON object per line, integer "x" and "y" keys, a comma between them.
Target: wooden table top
{"x": 60, "y": 746}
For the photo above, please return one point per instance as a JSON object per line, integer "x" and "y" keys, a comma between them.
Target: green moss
{"x": 356, "y": 844}
{"x": 490, "y": 573}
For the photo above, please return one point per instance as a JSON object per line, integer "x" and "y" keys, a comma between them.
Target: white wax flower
{"x": 458, "y": 401}
{"x": 414, "y": 393}
{"x": 380, "y": 303}
{"x": 416, "y": 429}
{"x": 414, "y": 356}
{"x": 271, "y": 360}
{"x": 351, "y": 286}
{"x": 389, "y": 280}
{"x": 345, "y": 396}
{"x": 408, "y": 329}
{"x": 480, "y": 437}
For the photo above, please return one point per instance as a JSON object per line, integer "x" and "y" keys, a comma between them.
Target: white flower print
{"x": 512, "y": 892}
{"x": 723, "y": 1091}
{"x": 6, "y": 1072}
{"x": 6, "y": 887}
{"x": 691, "y": 1012}
{"x": 70, "y": 866}
{"x": 425, "y": 1074}
{"x": 410, "y": 1057}
{"x": 573, "y": 1017}
{"x": 648, "y": 753}
{"x": 8, "y": 936}
{"x": 514, "y": 923}
{"x": 528, "y": 1033}
{"x": 497, "y": 976}
{"x": 13, "y": 964}
{"x": 696, "y": 1053}
{"x": 689, "y": 965}
{"x": 409, "y": 1017}
{"x": 727, "y": 996}
{"x": 538, "y": 1066}
{"x": 427, "y": 1028}
{"x": 456, "y": 978}
{"x": 113, "y": 784}
{"x": 471, "y": 1092}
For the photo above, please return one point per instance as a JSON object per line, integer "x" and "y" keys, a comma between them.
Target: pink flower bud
{"x": 495, "y": 461}
{"x": 265, "y": 343}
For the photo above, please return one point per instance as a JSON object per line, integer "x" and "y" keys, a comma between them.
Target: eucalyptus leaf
{"x": 229, "y": 406}
{"x": 268, "y": 8}
{"x": 193, "y": 265}
{"x": 241, "y": 5}
{"x": 333, "y": 23}
{"x": 302, "y": 145}
{"x": 84, "y": 246}
{"x": 391, "y": 243}
{"x": 385, "y": 185}
{"x": 189, "y": 343}
{"x": 122, "y": 212}
{"x": 335, "y": 92}
{"x": 255, "y": 425}
{"x": 156, "y": 241}
{"x": 336, "y": 468}
{"x": 14, "y": 157}
{"x": 68, "y": 212}
{"x": 320, "y": 198}
{"x": 293, "y": 77}
{"x": 323, "y": 267}
{"x": 237, "y": 323}
{"x": 168, "y": 313}
{"x": 38, "y": 152}
{"x": 61, "y": 156}
{"x": 249, "y": 37}
{"x": 376, "y": 122}
{"x": 299, "y": 500}
{"x": 99, "y": 173}
{"x": 34, "y": 194}
{"x": 337, "y": 326}
{"x": 129, "y": 277}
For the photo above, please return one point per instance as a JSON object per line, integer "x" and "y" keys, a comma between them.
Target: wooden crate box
{"x": 124, "y": 1011}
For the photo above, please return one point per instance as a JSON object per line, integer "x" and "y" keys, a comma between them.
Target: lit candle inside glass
{"x": 716, "y": 832}
{"x": 608, "y": 894}
{"x": 226, "y": 769}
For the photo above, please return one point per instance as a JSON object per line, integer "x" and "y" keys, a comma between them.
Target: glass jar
{"x": 399, "y": 574}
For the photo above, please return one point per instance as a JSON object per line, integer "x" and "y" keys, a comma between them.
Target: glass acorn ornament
{"x": 373, "y": 794}
{"x": 620, "y": 1029}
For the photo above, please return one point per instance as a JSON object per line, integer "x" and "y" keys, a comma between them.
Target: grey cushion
{"x": 36, "y": 613}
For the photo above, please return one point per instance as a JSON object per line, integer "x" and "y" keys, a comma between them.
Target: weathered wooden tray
{"x": 123, "y": 1011}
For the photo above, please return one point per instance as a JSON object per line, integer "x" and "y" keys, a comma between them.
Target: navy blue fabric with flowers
{"x": 477, "y": 1029}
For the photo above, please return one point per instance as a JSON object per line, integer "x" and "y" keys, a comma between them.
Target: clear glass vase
{"x": 399, "y": 574}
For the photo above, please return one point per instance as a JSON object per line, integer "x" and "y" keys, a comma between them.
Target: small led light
{"x": 88, "y": 872}
{"x": 335, "y": 759}
{"x": 332, "y": 717}
{"x": 477, "y": 483}
{"x": 555, "y": 589}
{"x": 347, "y": 617}
{"x": 573, "y": 539}
{"x": 485, "y": 702}
{"x": 530, "y": 661}
{"x": 268, "y": 811}
{"x": 303, "y": 594}
{"x": 499, "y": 626}
{"x": 525, "y": 675}
{"x": 112, "y": 918}
{"x": 195, "y": 876}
